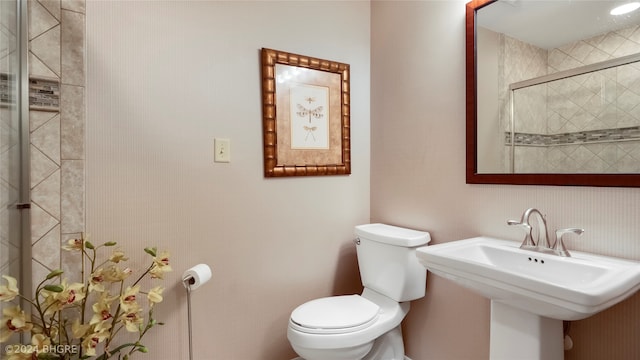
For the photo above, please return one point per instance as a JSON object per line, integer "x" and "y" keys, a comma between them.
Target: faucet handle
{"x": 559, "y": 247}
{"x": 528, "y": 240}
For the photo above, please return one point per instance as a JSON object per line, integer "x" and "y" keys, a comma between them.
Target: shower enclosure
{"x": 582, "y": 120}
{"x": 14, "y": 132}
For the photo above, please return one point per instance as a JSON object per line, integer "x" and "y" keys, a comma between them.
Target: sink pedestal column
{"x": 518, "y": 334}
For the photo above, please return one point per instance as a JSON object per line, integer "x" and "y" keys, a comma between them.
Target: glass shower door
{"x": 12, "y": 164}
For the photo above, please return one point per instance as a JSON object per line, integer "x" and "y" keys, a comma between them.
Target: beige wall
{"x": 163, "y": 80}
{"x": 418, "y": 180}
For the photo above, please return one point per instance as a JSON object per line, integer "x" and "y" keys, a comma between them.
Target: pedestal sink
{"x": 532, "y": 293}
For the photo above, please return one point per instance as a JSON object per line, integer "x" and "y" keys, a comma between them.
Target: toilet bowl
{"x": 350, "y": 337}
{"x": 366, "y": 326}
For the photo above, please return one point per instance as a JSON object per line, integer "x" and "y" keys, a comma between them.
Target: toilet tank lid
{"x": 393, "y": 235}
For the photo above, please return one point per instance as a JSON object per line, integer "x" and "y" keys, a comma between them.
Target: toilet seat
{"x": 335, "y": 315}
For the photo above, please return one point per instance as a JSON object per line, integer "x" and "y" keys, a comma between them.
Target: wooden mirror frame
{"x": 473, "y": 177}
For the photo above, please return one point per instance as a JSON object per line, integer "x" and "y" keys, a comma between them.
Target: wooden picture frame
{"x": 306, "y": 115}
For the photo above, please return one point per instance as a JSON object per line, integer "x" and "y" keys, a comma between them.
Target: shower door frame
{"x": 25, "y": 164}
{"x": 16, "y": 216}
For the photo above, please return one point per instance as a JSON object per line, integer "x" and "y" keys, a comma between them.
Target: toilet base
{"x": 388, "y": 346}
{"x": 299, "y": 358}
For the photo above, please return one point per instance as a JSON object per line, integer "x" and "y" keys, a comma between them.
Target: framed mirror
{"x": 553, "y": 93}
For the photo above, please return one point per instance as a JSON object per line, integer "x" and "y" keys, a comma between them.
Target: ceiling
{"x": 553, "y": 23}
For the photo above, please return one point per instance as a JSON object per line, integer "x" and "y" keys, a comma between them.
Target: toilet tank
{"x": 388, "y": 263}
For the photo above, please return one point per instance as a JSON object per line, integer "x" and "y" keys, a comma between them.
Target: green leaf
{"x": 89, "y": 245}
{"x": 105, "y": 356}
{"x": 143, "y": 349}
{"x": 151, "y": 251}
{"x": 54, "y": 288}
{"x": 54, "y": 273}
{"x": 110, "y": 243}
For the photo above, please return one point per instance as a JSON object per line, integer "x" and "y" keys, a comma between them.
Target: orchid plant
{"x": 80, "y": 320}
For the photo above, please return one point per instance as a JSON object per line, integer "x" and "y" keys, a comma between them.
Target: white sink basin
{"x": 563, "y": 288}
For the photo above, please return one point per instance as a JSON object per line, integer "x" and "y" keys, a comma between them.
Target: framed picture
{"x": 305, "y": 106}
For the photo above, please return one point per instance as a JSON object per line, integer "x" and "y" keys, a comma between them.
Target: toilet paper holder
{"x": 196, "y": 276}
{"x": 192, "y": 279}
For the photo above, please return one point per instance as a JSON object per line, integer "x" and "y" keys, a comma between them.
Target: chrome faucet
{"x": 541, "y": 243}
{"x": 559, "y": 247}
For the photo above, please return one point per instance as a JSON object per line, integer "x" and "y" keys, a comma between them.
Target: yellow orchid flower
{"x": 40, "y": 341}
{"x": 68, "y": 295}
{"x": 10, "y": 291}
{"x": 72, "y": 293}
{"x": 79, "y": 330}
{"x": 74, "y": 245}
{"x": 102, "y": 308}
{"x": 115, "y": 274}
{"x": 13, "y": 321}
{"x": 51, "y": 303}
{"x": 163, "y": 258}
{"x": 160, "y": 265}
{"x": 155, "y": 295}
{"x": 102, "y": 327}
{"x": 131, "y": 318}
{"x": 96, "y": 281}
{"x": 128, "y": 298}
{"x": 91, "y": 342}
{"x": 89, "y": 345}
{"x": 117, "y": 256}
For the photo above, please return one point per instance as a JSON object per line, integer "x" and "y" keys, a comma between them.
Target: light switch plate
{"x": 222, "y": 148}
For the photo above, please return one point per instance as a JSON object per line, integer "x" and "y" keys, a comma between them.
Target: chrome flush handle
{"x": 356, "y": 241}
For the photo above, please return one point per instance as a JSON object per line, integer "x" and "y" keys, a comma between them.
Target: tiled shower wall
{"x": 57, "y": 148}
{"x": 582, "y": 104}
{"x": 520, "y": 61}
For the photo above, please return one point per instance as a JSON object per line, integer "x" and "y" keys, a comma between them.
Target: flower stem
{"x": 143, "y": 275}
{"x": 114, "y": 320}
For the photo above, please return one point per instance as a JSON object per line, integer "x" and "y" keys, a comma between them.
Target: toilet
{"x": 366, "y": 326}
